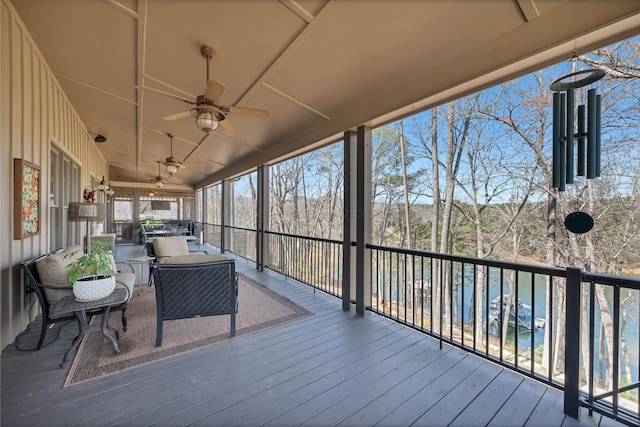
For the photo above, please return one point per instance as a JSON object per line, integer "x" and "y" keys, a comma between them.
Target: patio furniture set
{"x": 186, "y": 285}
{"x": 187, "y": 228}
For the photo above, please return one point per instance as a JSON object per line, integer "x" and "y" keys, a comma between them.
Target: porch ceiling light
{"x": 109, "y": 191}
{"x": 171, "y": 168}
{"x": 159, "y": 183}
{"x": 207, "y": 121}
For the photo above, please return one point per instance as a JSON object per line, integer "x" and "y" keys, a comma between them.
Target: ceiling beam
{"x": 529, "y": 9}
{"x": 141, "y": 51}
{"x": 301, "y": 37}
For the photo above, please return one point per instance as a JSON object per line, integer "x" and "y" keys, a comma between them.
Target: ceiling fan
{"x": 208, "y": 111}
{"x": 171, "y": 164}
{"x": 158, "y": 180}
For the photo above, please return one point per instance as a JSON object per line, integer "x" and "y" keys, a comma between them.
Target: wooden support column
{"x": 363, "y": 218}
{"x": 262, "y": 218}
{"x": 349, "y": 219}
{"x": 226, "y": 199}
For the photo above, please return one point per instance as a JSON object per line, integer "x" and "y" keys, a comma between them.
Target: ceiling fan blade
{"x": 214, "y": 90}
{"x": 177, "y": 115}
{"x": 246, "y": 111}
{"x": 227, "y": 124}
{"x": 161, "y": 92}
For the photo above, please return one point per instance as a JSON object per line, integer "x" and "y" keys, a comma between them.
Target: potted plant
{"x": 92, "y": 274}
{"x": 148, "y": 220}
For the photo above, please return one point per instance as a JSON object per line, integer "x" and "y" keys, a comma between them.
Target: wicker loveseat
{"x": 48, "y": 278}
{"x": 195, "y": 286}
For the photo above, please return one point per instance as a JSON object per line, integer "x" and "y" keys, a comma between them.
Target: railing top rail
{"x": 317, "y": 239}
{"x": 237, "y": 227}
{"x": 539, "y": 269}
{"x": 608, "y": 279}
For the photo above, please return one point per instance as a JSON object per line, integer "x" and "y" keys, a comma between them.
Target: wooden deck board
{"x": 330, "y": 368}
{"x": 448, "y": 408}
{"x": 430, "y": 385}
{"x": 518, "y": 408}
{"x": 232, "y": 361}
{"x": 310, "y": 401}
{"x": 329, "y": 383}
{"x": 272, "y": 373}
{"x": 488, "y": 403}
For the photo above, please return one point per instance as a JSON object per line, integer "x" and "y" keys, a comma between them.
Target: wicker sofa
{"x": 48, "y": 278}
{"x": 195, "y": 286}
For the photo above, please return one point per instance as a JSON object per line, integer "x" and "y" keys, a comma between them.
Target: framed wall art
{"x": 26, "y": 199}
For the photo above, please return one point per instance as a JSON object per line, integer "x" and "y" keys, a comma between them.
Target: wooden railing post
{"x": 572, "y": 343}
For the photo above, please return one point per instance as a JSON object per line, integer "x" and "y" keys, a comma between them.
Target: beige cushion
{"x": 170, "y": 246}
{"x": 193, "y": 259}
{"x": 126, "y": 280}
{"x": 53, "y": 271}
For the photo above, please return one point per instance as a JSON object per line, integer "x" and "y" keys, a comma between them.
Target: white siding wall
{"x": 34, "y": 112}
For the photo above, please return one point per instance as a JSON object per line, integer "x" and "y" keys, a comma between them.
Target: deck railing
{"x": 614, "y": 328}
{"x": 212, "y": 234}
{"x": 544, "y": 322}
{"x": 242, "y": 242}
{"x": 571, "y": 329}
{"x": 124, "y": 230}
{"x": 311, "y": 260}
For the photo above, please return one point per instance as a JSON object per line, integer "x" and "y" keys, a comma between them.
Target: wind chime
{"x": 567, "y": 141}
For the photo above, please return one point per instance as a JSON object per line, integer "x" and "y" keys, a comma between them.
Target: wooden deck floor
{"x": 332, "y": 368}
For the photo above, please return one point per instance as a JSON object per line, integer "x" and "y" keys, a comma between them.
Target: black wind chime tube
{"x": 570, "y": 135}
{"x": 556, "y": 141}
{"x": 562, "y": 140}
{"x": 591, "y": 134}
{"x": 598, "y": 125}
{"x": 582, "y": 155}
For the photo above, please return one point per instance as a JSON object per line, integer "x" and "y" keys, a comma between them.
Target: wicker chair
{"x": 209, "y": 288}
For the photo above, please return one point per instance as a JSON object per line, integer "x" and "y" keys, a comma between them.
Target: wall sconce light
{"x": 103, "y": 185}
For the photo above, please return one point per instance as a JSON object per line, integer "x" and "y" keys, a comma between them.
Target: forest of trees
{"x": 473, "y": 177}
{"x": 480, "y": 169}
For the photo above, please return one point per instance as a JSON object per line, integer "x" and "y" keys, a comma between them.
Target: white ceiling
{"x": 320, "y": 67}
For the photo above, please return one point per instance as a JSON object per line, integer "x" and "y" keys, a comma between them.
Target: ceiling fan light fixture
{"x": 171, "y": 168}
{"x": 159, "y": 183}
{"x": 109, "y": 191}
{"x": 207, "y": 121}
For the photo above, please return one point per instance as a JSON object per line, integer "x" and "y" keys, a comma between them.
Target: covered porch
{"x": 331, "y": 368}
{"x": 367, "y": 363}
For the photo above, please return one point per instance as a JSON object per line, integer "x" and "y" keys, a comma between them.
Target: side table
{"x": 69, "y": 304}
{"x": 141, "y": 261}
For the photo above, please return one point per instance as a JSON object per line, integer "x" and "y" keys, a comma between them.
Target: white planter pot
{"x": 90, "y": 290}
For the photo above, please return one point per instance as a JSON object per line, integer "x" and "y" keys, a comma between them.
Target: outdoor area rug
{"x": 259, "y": 308}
